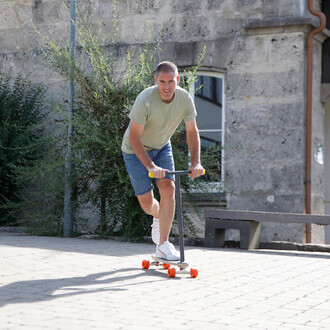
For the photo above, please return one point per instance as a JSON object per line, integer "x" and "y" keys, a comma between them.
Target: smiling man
{"x": 154, "y": 117}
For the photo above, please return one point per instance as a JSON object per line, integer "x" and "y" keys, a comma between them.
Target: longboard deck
{"x": 172, "y": 263}
{"x": 167, "y": 265}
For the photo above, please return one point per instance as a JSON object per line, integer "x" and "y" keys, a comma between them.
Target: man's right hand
{"x": 158, "y": 172}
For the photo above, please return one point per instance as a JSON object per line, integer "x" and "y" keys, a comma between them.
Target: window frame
{"x": 223, "y": 117}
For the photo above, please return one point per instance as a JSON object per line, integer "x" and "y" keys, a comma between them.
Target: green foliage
{"x": 21, "y": 137}
{"x": 105, "y": 90}
{"x": 40, "y": 208}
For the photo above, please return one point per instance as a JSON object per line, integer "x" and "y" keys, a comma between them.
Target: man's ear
{"x": 156, "y": 80}
{"x": 177, "y": 79}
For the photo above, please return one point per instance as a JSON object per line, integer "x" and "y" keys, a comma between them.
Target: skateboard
{"x": 182, "y": 265}
{"x": 171, "y": 272}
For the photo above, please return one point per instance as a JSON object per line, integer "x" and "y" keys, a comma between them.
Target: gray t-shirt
{"x": 160, "y": 119}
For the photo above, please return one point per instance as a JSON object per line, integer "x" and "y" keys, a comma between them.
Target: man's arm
{"x": 194, "y": 147}
{"x": 136, "y": 131}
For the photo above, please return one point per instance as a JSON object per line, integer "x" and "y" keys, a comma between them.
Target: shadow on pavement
{"x": 50, "y": 289}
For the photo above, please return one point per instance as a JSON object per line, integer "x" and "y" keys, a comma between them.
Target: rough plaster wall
{"x": 265, "y": 122}
{"x": 327, "y": 167}
{"x": 318, "y": 117}
{"x": 318, "y": 139}
{"x": 182, "y": 20}
{"x": 265, "y": 127}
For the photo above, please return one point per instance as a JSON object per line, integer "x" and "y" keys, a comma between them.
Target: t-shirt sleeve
{"x": 139, "y": 112}
{"x": 191, "y": 109}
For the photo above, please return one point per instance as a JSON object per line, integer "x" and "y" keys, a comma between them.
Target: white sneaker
{"x": 155, "y": 231}
{"x": 167, "y": 251}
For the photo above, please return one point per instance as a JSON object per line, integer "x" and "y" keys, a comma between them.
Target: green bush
{"x": 21, "y": 137}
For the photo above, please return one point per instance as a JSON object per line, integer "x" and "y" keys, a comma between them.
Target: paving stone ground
{"x": 65, "y": 283}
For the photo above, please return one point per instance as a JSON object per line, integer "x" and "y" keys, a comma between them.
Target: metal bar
{"x": 267, "y": 216}
{"x": 210, "y": 130}
{"x": 179, "y": 211}
{"x": 178, "y": 172}
{"x": 69, "y": 191}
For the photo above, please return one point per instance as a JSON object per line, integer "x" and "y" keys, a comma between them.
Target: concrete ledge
{"x": 261, "y": 216}
{"x": 284, "y": 21}
{"x": 294, "y": 246}
{"x": 286, "y": 24}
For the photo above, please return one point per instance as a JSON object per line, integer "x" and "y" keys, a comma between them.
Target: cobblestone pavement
{"x": 64, "y": 283}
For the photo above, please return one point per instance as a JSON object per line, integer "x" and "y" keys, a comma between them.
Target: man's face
{"x": 167, "y": 82}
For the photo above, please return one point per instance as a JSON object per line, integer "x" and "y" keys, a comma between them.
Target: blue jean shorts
{"x": 138, "y": 174}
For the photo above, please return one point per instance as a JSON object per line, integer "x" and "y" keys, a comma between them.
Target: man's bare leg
{"x": 164, "y": 211}
{"x": 149, "y": 204}
{"x": 166, "y": 208}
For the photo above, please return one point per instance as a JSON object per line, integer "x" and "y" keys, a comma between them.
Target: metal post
{"x": 69, "y": 191}
{"x": 179, "y": 211}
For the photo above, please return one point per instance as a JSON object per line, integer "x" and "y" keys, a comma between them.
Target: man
{"x": 154, "y": 117}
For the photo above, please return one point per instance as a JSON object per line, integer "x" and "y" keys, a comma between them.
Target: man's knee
{"x": 167, "y": 189}
{"x": 146, "y": 202}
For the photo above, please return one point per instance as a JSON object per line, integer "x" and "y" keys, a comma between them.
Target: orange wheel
{"x": 193, "y": 273}
{"x": 166, "y": 266}
{"x": 171, "y": 272}
{"x": 145, "y": 264}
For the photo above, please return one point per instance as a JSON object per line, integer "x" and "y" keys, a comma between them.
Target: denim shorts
{"x": 138, "y": 174}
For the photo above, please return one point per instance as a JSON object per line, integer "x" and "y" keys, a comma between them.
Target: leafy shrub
{"x": 21, "y": 137}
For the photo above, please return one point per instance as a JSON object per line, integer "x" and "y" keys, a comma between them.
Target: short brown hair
{"x": 165, "y": 67}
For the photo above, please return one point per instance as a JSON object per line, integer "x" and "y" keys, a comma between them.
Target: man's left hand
{"x": 196, "y": 171}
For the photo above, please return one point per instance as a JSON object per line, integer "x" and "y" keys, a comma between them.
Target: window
{"x": 210, "y": 109}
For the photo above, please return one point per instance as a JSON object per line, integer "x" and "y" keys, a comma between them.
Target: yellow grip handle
{"x": 151, "y": 175}
{"x": 203, "y": 172}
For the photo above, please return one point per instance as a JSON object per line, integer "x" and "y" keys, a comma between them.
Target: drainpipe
{"x": 308, "y": 177}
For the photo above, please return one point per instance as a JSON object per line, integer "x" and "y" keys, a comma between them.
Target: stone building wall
{"x": 259, "y": 46}
{"x": 265, "y": 124}
{"x": 318, "y": 142}
{"x": 183, "y": 21}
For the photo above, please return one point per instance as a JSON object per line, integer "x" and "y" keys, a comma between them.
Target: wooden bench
{"x": 248, "y": 223}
